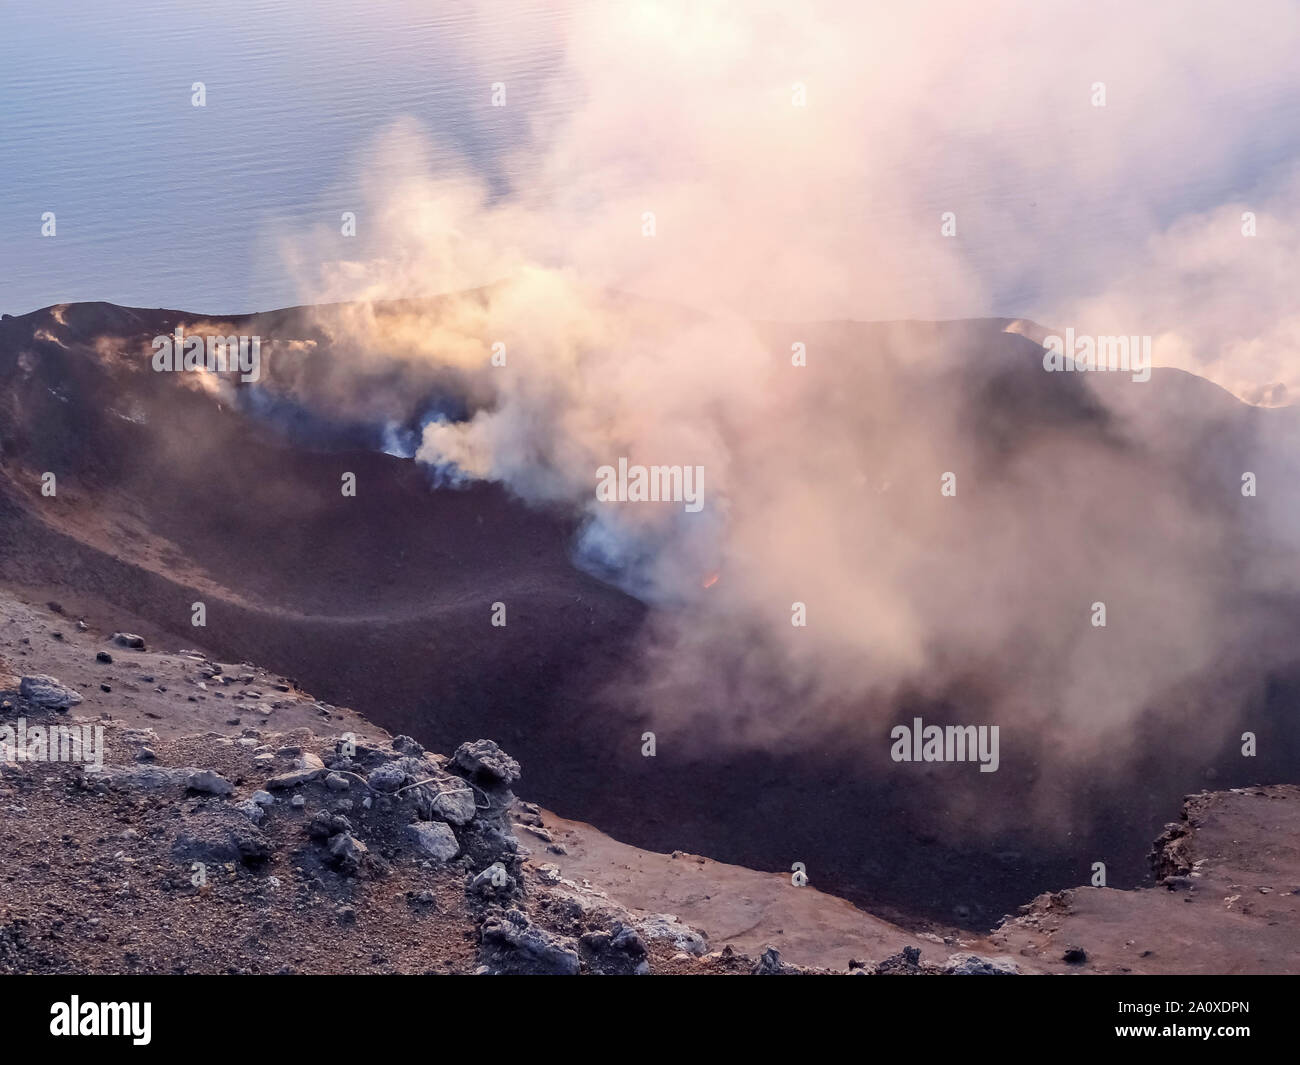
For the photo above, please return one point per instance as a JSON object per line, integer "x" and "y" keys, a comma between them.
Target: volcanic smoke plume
{"x": 614, "y": 306}
{"x": 748, "y": 447}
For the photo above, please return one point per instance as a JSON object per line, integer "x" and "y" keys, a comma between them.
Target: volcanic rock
{"x": 974, "y": 965}
{"x": 205, "y": 780}
{"x": 513, "y": 945}
{"x": 347, "y": 853}
{"x": 45, "y": 691}
{"x": 486, "y": 763}
{"x": 433, "y": 838}
{"x": 309, "y": 768}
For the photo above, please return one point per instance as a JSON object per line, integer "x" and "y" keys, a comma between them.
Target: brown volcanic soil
{"x": 382, "y": 602}
{"x": 1228, "y": 903}
{"x": 89, "y": 881}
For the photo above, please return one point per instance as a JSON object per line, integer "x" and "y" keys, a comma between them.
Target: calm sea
{"x": 160, "y": 203}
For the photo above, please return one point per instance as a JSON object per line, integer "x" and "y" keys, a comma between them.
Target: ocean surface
{"x": 159, "y": 203}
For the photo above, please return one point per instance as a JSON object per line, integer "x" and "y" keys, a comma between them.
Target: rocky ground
{"x": 1227, "y": 898}
{"x": 237, "y": 825}
{"x": 169, "y": 494}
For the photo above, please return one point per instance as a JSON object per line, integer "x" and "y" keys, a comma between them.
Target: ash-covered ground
{"x": 226, "y": 829}
{"x": 168, "y": 494}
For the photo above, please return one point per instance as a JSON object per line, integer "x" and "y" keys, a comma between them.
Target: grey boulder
{"x": 49, "y": 692}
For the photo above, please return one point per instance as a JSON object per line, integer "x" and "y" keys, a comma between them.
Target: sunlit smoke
{"x": 728, "y": 168}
